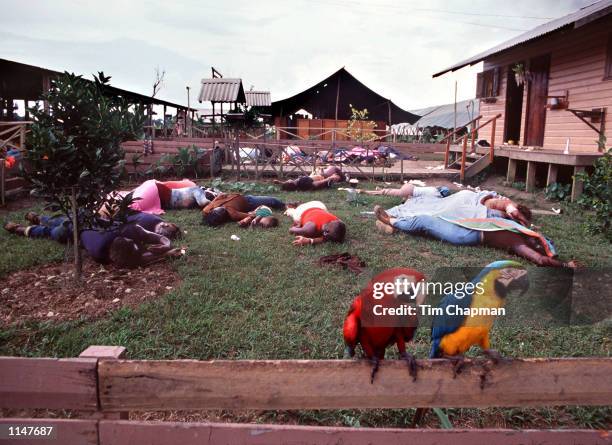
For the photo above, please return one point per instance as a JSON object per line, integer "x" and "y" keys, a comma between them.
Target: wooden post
{"x": 2, "y": 184}
{"x": 551, "y": 178}
{"x": 492, "y": 148}
{"x": 447, "y": 152}
{"x": 22, "y": 136}
{"x": 212, "y": 159}
{"x": 511, "y": 174}
{"x": 463, "y": 158}
{"x": 473, "y": 142}
{"x": 107, "y": 352}
{"x": 165, "y": 123}
{"x": 530, "y": 180}
{"x": 402, "y": 169}
{"x": 78, "y": 263}
{"x": 577, "y": 184}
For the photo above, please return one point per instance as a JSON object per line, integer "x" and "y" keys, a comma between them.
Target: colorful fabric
{"x": 148, "y": 201}
{"x": 263, "y": 211}
{"x": 496, "y": 224}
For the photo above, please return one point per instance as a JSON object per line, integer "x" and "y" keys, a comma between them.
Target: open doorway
{"x": 514, "y": 108}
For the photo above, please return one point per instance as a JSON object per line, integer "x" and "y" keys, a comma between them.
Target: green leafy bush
{"x": 557, "y": 191}
{"x": 598, "y": 193}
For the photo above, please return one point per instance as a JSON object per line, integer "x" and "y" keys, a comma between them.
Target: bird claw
{"x": 412, "y": 365}
{"x": 375, "y": 365}
{"x": 458, "y": 362}
{"x": 496, "y": 357}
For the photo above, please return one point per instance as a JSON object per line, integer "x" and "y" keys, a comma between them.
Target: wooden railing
{"x": 472, "y": 135}
{"x": 105, "y": 388}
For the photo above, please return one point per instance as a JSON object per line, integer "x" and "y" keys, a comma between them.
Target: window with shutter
{"x": 479, "y": 78}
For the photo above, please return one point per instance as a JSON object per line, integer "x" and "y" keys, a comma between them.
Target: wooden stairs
{"x": 472, "y": 163}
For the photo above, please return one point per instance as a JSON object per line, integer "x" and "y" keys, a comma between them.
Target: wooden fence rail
{"x": 100, "y": 384}
{"x": 118, "y": 432}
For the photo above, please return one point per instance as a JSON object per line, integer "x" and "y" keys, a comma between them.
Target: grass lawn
{"x": 262, "y": 298}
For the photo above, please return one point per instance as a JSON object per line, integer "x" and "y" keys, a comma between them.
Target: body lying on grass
{"x": 437, "y": 201}
{"x": 244, "y": 209}
{"x": 494, "y": 232}
{"x": 142, "y": 240}
{"x": 329, "y": 176}
{"x": 313, "y": 224}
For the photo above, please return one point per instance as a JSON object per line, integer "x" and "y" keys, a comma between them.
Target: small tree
{"x": 359, "y": 127}
{"x": 74, "y": 154}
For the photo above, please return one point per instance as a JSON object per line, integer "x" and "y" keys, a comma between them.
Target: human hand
{"x": 301, "y": 241}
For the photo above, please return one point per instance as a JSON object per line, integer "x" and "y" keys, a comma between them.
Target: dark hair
{"x": 335, "y": 231}
{"x": 289, "y": 186}
{"x": 124, "y": 252}
{"x": 268, "y": 222}
{"x": 169, "y": 230}
{"x": 525, "y": 211}
{"x": 216, "y": 217}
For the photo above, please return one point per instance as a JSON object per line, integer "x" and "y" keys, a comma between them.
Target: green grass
{"x": 262, "y": 298}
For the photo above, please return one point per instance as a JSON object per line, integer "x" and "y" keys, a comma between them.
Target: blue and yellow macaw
{"x": 453, "y": 334}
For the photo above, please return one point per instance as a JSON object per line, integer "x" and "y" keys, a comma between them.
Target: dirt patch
{"x": 49, "y": 292}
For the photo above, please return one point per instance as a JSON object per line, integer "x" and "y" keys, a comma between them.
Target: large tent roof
{"x": 320, "y": 101}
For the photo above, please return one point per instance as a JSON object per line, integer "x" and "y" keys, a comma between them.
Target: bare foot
{"x": 381, "y": 215}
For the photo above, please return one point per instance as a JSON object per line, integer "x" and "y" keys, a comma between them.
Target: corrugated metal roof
{"x": 444, "y": 115}
{"x": 222, "y": 90}
{"x": 578, "y": 18}
{"x": 258, "y": 98}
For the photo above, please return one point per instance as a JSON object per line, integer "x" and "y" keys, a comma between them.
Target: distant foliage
{"x": 598, "y": 193}
{"x": 359, "y": 127}
{"x": 243, "y": 187}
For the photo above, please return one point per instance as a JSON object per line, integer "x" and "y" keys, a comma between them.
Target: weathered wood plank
{"x": 337, "y": 384}
{"x": 66, "y": 432}
{"x": 531, "y": 177}
{"x": 161, "y": 433}
{"x": 48, "y": 383}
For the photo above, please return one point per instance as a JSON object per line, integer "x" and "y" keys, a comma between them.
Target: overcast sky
{"x": 283, "y": 46}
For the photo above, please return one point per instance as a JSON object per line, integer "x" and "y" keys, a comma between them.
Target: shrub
{"x": 598, "y": 193}
{"x": 74, "y": 150}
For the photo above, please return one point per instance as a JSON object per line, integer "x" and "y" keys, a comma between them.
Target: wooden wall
{"x": 314, "y": 127}
{"x": 577, "y": 64}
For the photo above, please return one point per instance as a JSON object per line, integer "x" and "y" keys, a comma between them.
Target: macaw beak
{"x": 520, "y": 282}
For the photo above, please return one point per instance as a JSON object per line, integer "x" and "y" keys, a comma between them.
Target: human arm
{"x": 507, "y": 206}
{"x": 524, "y": 251}
{"x": 305, "y": 241}
{"x": 308, "y": 230}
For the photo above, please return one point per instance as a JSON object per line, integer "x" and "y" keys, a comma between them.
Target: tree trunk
{"x": 78, "y": 261}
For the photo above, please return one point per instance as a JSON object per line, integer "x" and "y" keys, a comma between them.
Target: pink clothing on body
{"x": 149, "y": 198}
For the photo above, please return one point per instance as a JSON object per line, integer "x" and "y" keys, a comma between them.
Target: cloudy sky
{"x": 282, "y": 46}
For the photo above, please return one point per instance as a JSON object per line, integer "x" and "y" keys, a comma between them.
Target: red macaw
{"x": 365, "y": 326}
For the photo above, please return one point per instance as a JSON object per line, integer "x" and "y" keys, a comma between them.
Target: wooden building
{"x": 553, "y": 88}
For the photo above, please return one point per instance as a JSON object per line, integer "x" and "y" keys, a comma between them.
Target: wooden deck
{"x": 534, "y": 155}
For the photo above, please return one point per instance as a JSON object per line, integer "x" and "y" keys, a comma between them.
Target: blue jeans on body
{"x": 270, "y": 201}
{"x": 436, "y": 227}
{"x": 57, "y": 228}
